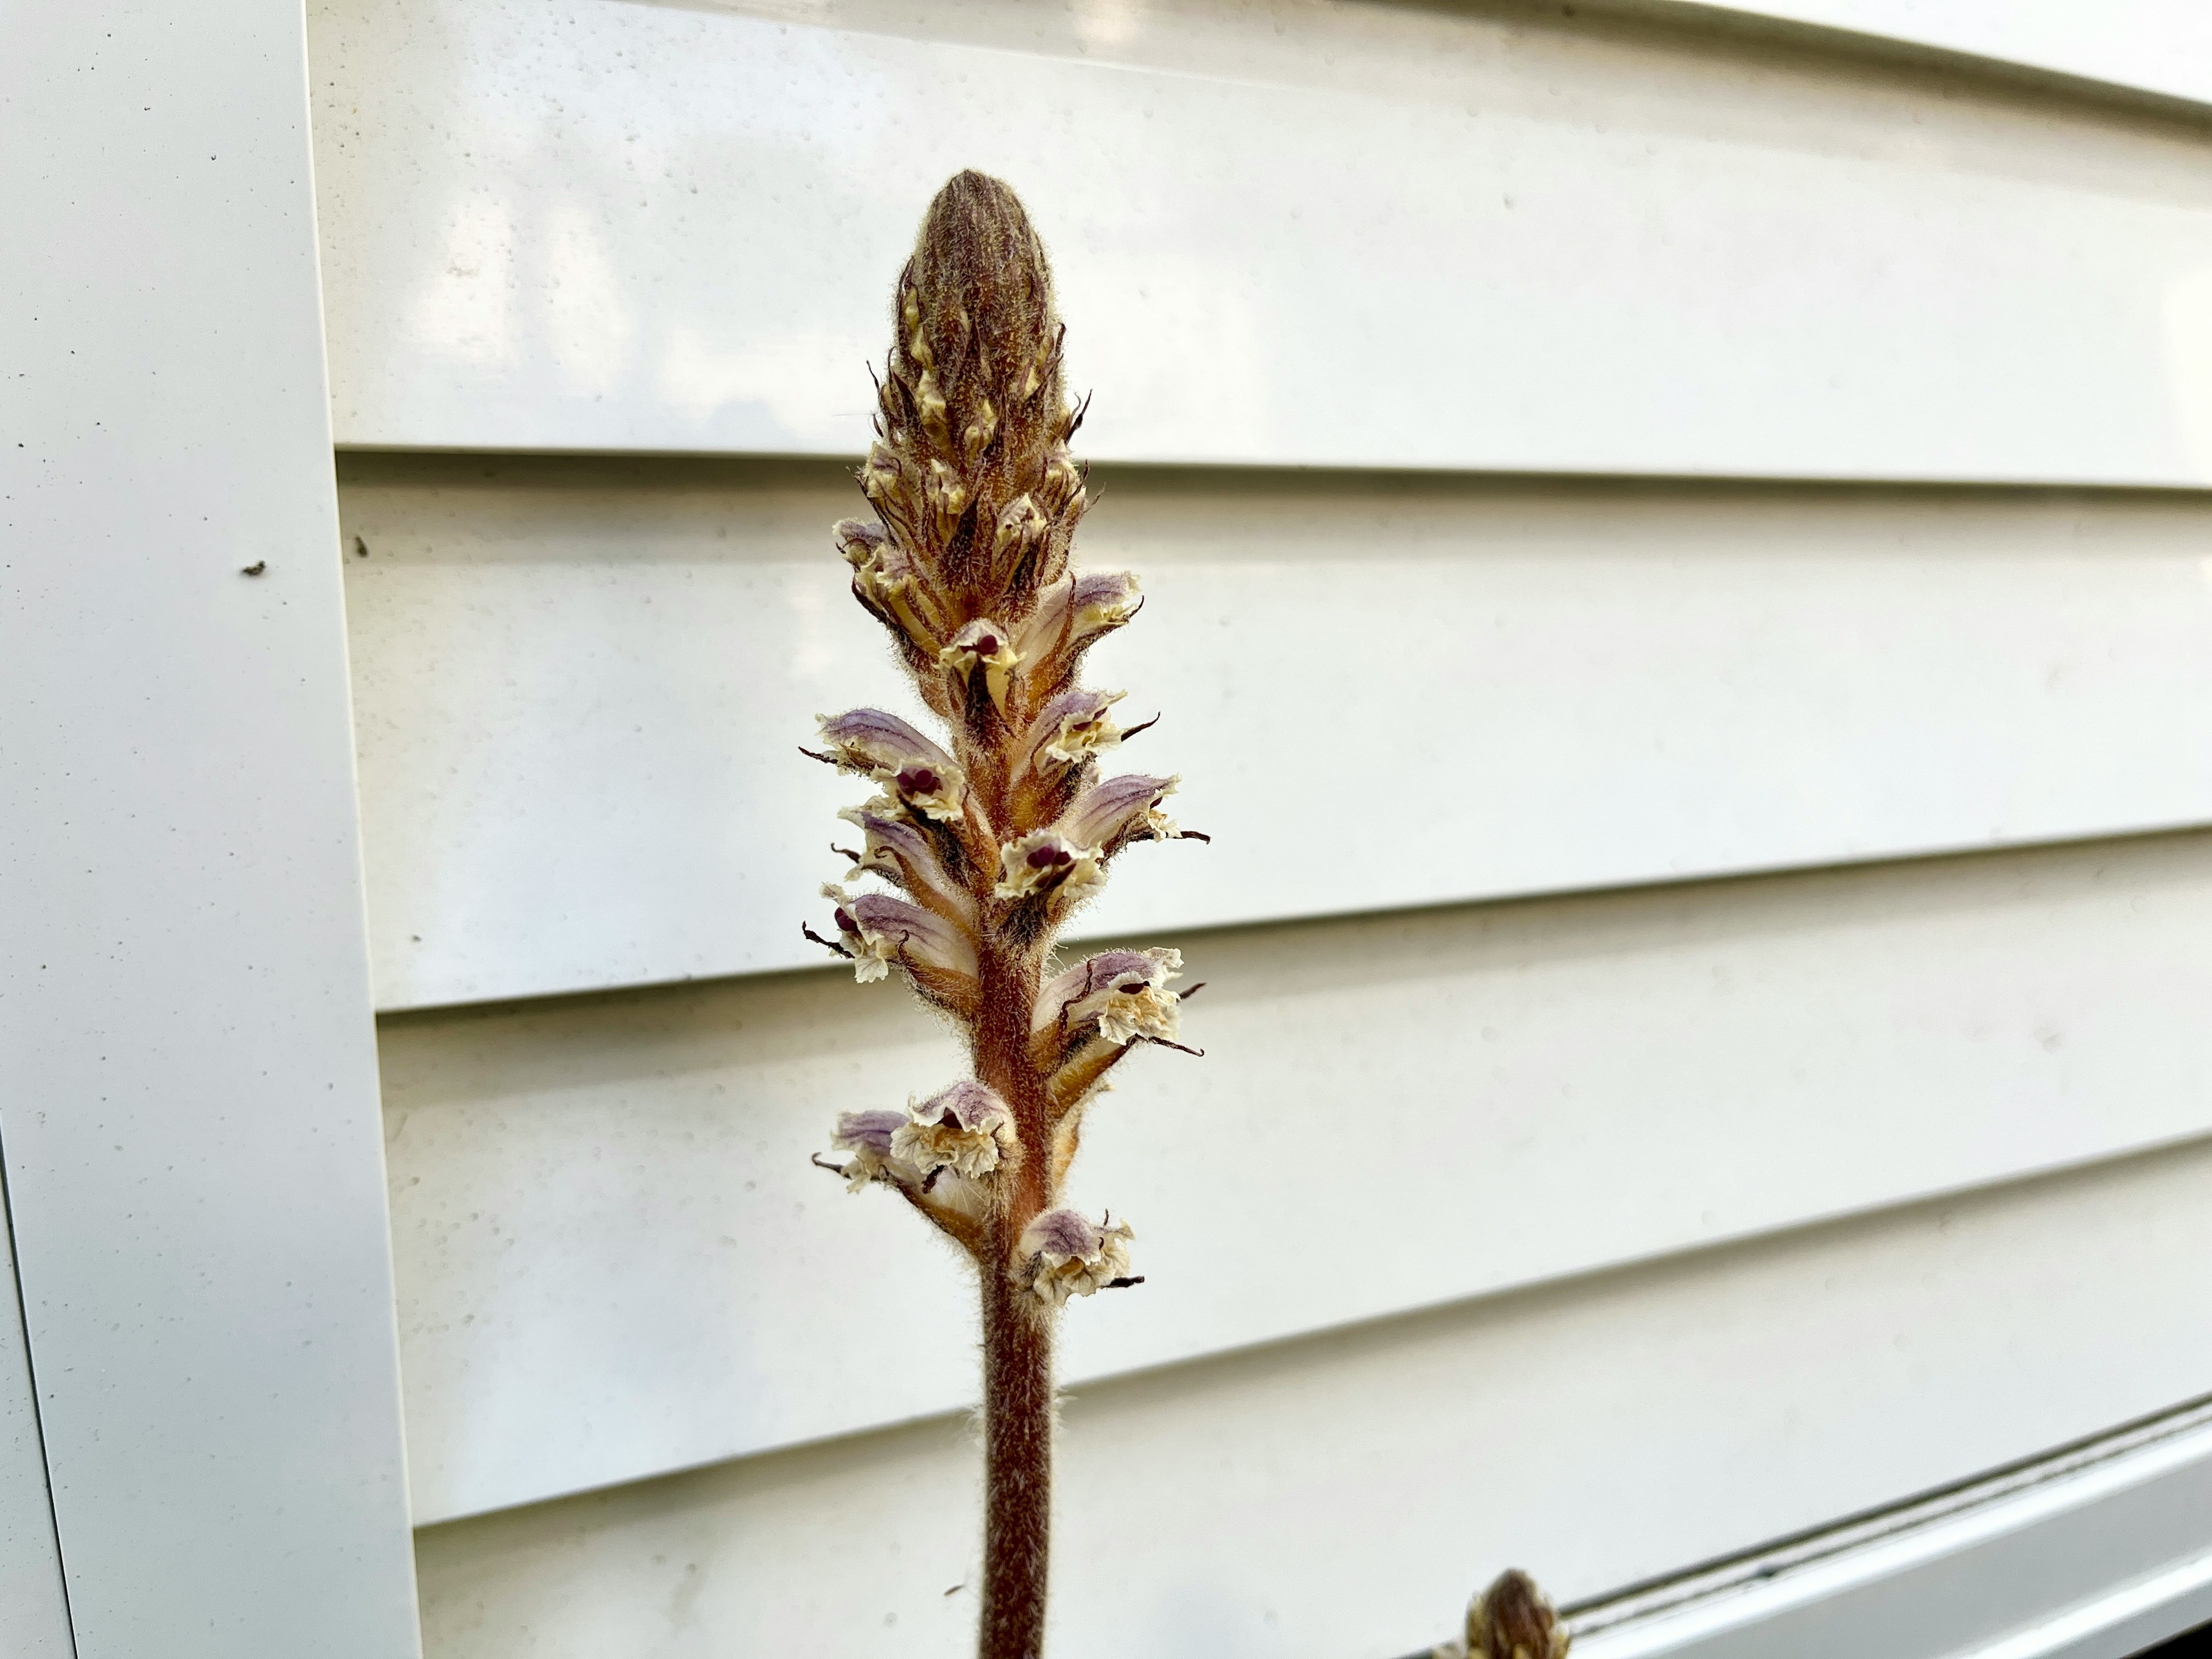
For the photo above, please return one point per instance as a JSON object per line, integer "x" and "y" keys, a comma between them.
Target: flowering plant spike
{"x": 990, "y": 834}
{"x": 1511, "y": 1620}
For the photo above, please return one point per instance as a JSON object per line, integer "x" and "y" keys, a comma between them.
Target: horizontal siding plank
{"x": 1424, "y": 237}
{"x": 1341, "y": 1497}
{"x": 2163, "y": 46}
{"x": 579, "y": 688}
{"x": 613, "y": 1258}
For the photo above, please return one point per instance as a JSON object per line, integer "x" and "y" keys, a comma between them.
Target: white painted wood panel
{"x": 614, "y": 1258}
{"x": 2096, "y": 1552}
{"x": 2163, "y": 46}
{"x": 34, "y": 1608}
{"x": 186, "y": 1036}
{"x": 581, "y": 688}
{"x": 1287, "y": 232}
{"x": 1341, "y": 1496}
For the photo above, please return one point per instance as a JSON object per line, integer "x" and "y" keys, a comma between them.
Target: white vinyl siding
{"x": 614, "y": 1254}
{"x": 1327, "y": 1496}
{"x": 581, "y": 686}
{"x": 1297, "y": 233}
{"x": 1679, "y": 579}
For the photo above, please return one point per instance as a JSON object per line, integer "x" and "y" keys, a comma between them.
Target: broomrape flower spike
{"x": 1511, "y": 1620}
{"x": 995, "y": 828}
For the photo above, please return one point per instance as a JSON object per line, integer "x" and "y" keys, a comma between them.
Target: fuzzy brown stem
{"x": 1018, "y": 1389}
{"x": 1018, "y": 1414}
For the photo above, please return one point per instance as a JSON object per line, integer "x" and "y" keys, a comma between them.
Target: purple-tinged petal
{"x": 870, "y": 1130}
{"x": 964, "y": 1127}
{"x": 1069, "y": 1254}
{"x": 867, "y": 966}
{"x": 897, "y": 848}
{"x": 1070, "y": 729}
{"x": 1110, "y": 815}
{"x": 860, "y": 541}
{"x": 891, "y": 930}
{"x": 1120, "y": 994}
{"x": 884, "y": 747}
{"x": 868, "y": 1136}
{"x": 1071, "y": 615}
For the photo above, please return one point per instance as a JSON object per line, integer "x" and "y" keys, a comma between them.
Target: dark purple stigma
{"x": 920, "y": 781}
{"x": 1046, "y": 858}
{"x": 987, "y": 645}
{"x": 1134, "y": 987}
{"x": 950, "y": 1118}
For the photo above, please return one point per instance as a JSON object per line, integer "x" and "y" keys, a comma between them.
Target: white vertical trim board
{"x": 2094, "y": 1553}
{"x": 190, "y": 1106}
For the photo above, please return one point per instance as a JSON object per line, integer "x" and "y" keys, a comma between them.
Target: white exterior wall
{"x": 1490, "y": 1145}
{"x": 1339, "y": 1495}
{"x": 1680, "y": 580}
{"x": 1569, "y": 1198}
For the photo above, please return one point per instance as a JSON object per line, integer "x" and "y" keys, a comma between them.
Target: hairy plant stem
{"x": 1018, "y": 1416}
{"x": 1017, "y": 1388}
